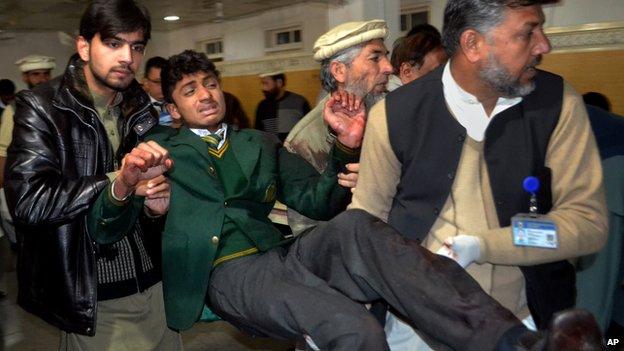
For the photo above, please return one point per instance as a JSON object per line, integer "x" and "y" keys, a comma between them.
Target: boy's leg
{"x": 264, "y": 295}
{"x": 365, "y": 259}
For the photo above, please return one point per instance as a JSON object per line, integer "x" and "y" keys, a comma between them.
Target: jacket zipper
{"x": 126, "y": 128}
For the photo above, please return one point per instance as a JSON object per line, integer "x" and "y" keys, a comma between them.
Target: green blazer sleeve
{"x": 110, "y": 220}
{"x": 319, "y": 197}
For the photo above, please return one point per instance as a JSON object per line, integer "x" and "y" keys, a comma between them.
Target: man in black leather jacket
{"x": 69, "y": 138}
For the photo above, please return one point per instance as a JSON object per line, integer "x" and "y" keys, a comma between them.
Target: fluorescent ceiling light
{"x": 171, "y": 18}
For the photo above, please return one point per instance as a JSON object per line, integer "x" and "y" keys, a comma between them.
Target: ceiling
{"x": 64, "y": 15}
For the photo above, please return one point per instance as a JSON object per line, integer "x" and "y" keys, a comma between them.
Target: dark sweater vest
{"x": 428, "y": 141}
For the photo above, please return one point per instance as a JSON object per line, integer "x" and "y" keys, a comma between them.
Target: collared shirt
{"x": 468, "y": 111}
{"x": 164, "y": 118}
{"x": 221, "y": 132}
{"x": 108, "y": 115}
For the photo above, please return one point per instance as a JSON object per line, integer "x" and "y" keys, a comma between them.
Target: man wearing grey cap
{"x": 355, "y": 60}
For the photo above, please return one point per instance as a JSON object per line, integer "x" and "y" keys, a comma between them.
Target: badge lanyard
{"x": 532, "y": 229}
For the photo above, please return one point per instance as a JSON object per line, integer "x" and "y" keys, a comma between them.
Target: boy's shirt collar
{"x": 221, "y": 132}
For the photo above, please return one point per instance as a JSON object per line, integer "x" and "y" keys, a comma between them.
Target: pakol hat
{"x": 33, "y": 62}
{"x": 270, "y": 74}
{"x": 347, "y": 35}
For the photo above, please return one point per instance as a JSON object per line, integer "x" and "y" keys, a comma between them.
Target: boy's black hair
{"x": 180, "y": 65}
{"x": 111, "y": 17}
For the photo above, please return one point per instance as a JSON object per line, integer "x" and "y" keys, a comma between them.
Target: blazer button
{"x": 461, "y": 138}
{"x": 436, "y": 211}
{"x": 225, "y": 204}
{"x": 212, "y": 170}
{"x": 451, "y": 176}
{"x": 215, "y": 240}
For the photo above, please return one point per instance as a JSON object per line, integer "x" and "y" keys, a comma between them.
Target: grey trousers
{"x": 316, "y": 287}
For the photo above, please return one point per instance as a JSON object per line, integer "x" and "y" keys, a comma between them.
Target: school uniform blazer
{"x": 198, "y": 206}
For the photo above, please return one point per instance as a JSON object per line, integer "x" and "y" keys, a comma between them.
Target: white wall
{"x": 359, "y": 10}
{"x": 244, "y": 38}
{"x": 576, "y": 12}
{"x": 29, "y": 43}
{"x": 565, "y": 13}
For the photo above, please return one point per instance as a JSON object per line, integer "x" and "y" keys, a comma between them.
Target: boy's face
{"x": 198, "y": 101}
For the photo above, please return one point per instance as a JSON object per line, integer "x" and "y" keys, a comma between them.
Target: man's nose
{"x": 125, "y": 54}
{"x": 543, "y": 44}
{"x": 386, "y": 66}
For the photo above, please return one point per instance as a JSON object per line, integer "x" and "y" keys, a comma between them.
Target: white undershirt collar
{"x": 468, "y": 111}
{"x": 222, "y": 132}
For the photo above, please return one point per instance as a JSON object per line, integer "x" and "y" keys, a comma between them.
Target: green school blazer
{"x": 198, "y": 207}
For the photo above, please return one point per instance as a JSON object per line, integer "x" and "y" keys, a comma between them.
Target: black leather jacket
{"x": 56, "y": 168}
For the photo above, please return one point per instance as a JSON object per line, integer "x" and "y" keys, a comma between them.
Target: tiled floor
{"x": 22, "y": 331}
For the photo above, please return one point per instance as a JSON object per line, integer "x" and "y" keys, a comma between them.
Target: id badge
{"x": 532, "y": 230}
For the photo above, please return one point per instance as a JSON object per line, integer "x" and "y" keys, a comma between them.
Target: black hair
{"x": 111, "y": 17}
{"x": 7, "y": 87}
{"x": 413, "y": 48}
{"x": 155, "y": 62}
{"x": 597, "y": 99}
{"x": 480, "y": 15}
{"x": 424, "y": 28}
{"x": 183, "y": 64}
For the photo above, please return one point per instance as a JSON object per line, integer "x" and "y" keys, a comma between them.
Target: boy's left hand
{"x": 345, "y": 113}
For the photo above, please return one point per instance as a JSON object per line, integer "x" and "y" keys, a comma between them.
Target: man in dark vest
{"x": 444, "y": 158}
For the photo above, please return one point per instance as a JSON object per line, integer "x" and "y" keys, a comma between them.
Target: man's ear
{"x": 173, "y": 111}
{"x": 339, "y": 71}
{"x": 472, "y": 45}
{"x": 82, "y": 47}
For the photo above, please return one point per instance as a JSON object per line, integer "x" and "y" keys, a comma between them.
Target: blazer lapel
{"x": 246, "y": 151}
{"x": 186, "y": 137}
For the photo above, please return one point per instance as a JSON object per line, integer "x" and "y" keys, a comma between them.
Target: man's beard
{"x": 499, "y": 78}
{"x": 358, "y": 88}
{"x": 271, "y": 94}
{"x": 117, "y": 86}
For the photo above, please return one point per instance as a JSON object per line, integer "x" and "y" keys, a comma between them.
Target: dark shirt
{"x": 280, "y": 116}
